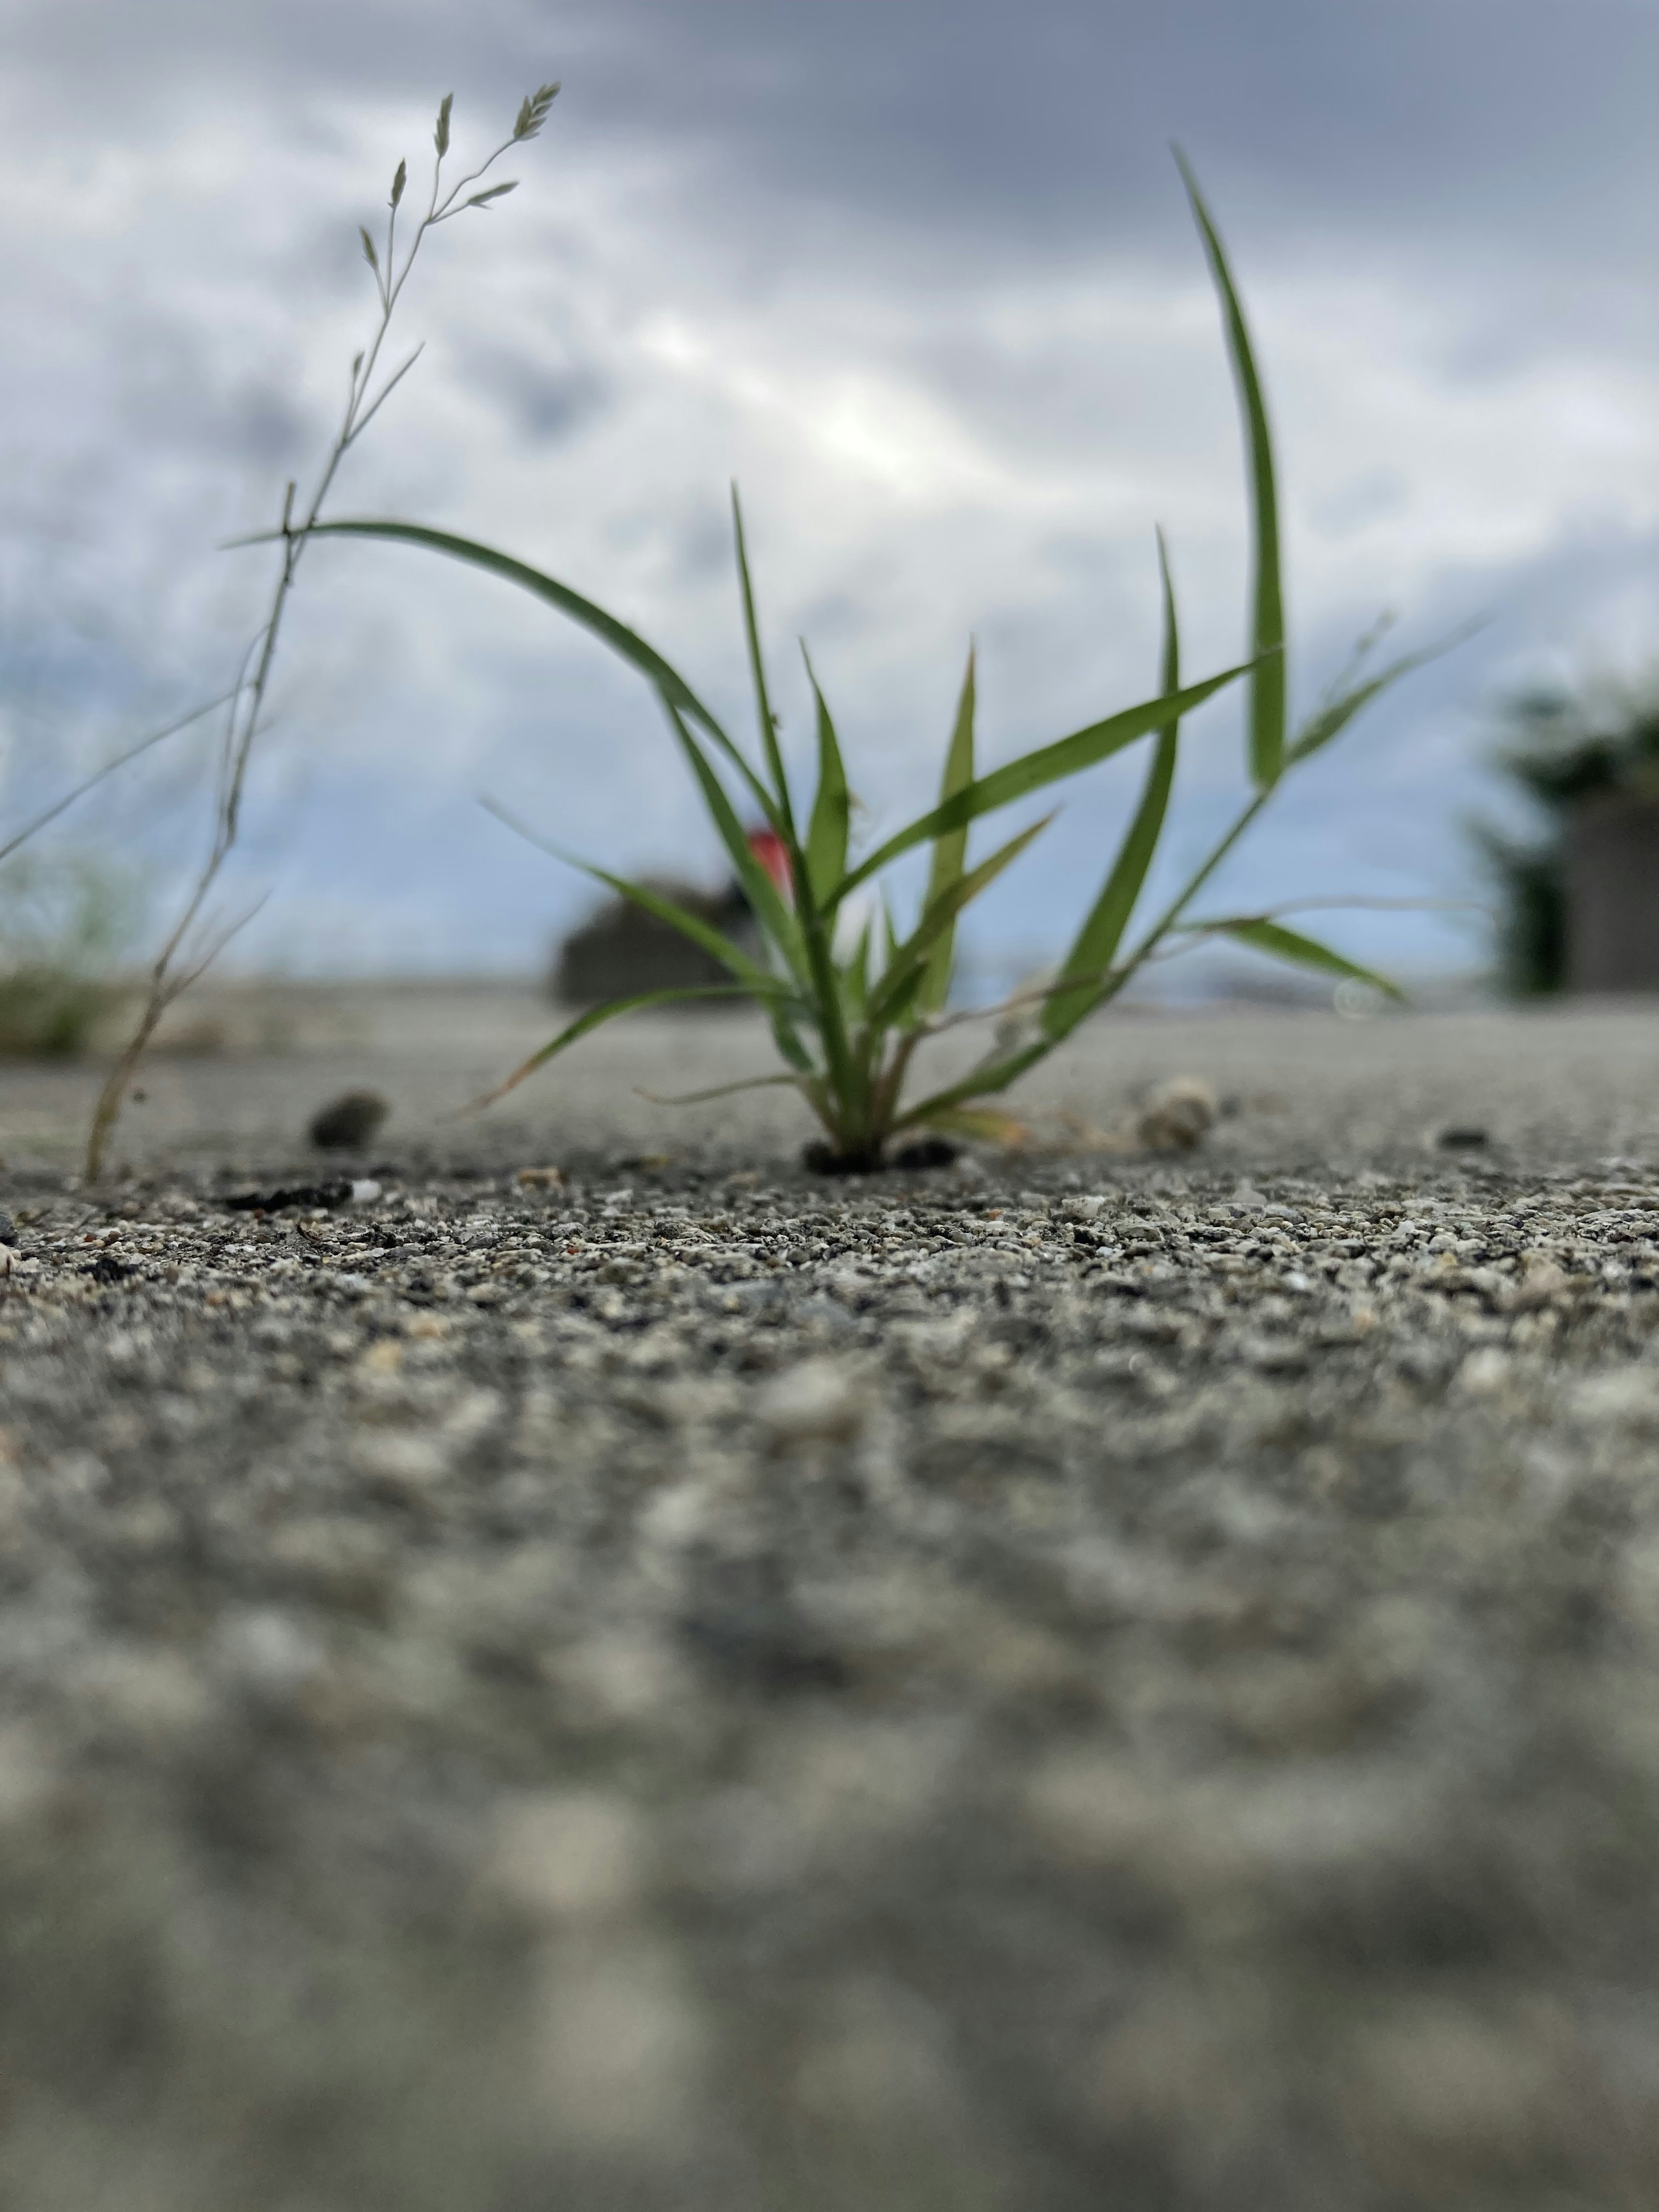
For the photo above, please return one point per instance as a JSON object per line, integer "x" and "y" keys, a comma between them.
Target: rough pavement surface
{"x": 1073, "y": 1680}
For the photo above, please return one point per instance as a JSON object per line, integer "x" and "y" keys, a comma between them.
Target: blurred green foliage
{"x": 1561, "y": 745}
{"x": 68, "y": 921}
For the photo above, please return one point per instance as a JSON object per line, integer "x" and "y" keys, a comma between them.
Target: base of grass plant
{"x": 820, "y": 1159}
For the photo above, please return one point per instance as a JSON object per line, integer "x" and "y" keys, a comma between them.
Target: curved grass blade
{"x": 982, "y": 1082}
{"x": 593, "y": 1019}
{"x": 950, "y": 849}
{"x": 776, "y": 919}
{"x": 891, "y": 998}
{"x": 990, "y": 1125}
{"x": 1269, "y": 681}
{"x": 720, "y": 1091}
{"x": 832, "y": 805}
{"x": 748, "y": 971}
{"x": 1046, "y": 764}
{"x": 769, "y": 721}
{"x": 1282, "y": 943}
{"x": 1098, "y": 940}
{"x": 621, "y": 640}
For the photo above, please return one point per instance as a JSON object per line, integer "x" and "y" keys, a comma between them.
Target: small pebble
{"x": 1177, "y": 1115}
{"x": 348, "y": 1122}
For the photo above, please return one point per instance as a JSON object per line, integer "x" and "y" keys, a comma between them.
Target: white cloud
{"x": 929, "y": 444}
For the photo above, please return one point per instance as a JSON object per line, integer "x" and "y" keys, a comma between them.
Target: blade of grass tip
{"x": 754, "y": 978}
{"x": 832, "y": 807}
{"x": 769, "y": 726}
{"x": 1046, "y": 764}
{"x": 1269, "y": 684}
{"x": 612, "y": 1009}
{"x": 1290, "y": 944}
{"x": 1096, "y": 942}
{"x": 622, "y": 641}
{"x": 951, "y": 848}
{"x": 1322, "y": 727}
{"x": 890, "y": 998}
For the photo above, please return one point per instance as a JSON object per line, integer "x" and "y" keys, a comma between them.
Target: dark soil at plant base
{"x": 1031, "y": 1686}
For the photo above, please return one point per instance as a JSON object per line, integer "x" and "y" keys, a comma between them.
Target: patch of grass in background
{"x": 848, "y": 1006}
{"x": 67, "y": 923}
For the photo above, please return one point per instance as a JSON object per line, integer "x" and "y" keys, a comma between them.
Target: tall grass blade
{"x": 950, "y": 849}
{"x": 1097, "y": 941}
{"x": 832, "y": 805}
{"x": 769, "y": 721}
{"x": 1269, "y": 681}
{"x": 1046, "y": 764}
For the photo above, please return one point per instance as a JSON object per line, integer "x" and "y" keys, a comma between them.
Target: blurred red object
{"x": 769, "y": 848}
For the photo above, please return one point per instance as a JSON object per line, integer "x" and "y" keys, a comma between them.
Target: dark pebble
{"x": 348, "y": 1122}
{"x": 8, "y": 1230}
{"x": 301, "y": 1194}
{"x": 1462, "y": 1139}
{"x": 927, "y": 1153}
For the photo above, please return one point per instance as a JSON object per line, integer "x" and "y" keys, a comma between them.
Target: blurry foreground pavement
{"x": 1075, "y": 1680}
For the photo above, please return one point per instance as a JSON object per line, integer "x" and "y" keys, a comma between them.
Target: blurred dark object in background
{"x": 623, "y": 949}
{"x": 1579, "y": 900}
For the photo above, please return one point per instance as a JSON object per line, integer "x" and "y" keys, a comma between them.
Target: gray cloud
{"x": 919, "y": 271}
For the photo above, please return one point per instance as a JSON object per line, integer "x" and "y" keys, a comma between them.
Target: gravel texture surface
{"x": 1071, "y": 1680}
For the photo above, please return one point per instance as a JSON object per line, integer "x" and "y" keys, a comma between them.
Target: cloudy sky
{"x": 920, "y": 274}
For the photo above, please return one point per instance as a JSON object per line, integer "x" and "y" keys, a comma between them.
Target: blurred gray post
{"x": 1612, "y": 893}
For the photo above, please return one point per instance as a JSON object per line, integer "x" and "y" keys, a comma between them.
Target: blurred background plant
{"x": 1563, "y": 746}
{"x": 67, "y": 923}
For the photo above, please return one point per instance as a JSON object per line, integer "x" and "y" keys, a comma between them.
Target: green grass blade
{"x": 1271, "y": 937}
{"x": 832, "y": 805}
{"x": 1269, "y": 682}
{"x": 768, "y": 720}
{"x": 855, "y": 974}
{"x": 1047, "y": 764}
{"x": 1097, "y": 941}
{"x": 950, "y": 850}
{"x": 719, "y": 1090}
{"x": 775, "y": 917}
{"x": 621, "y": 640}
{"x": 1321, "y": 728}
{"x": 593, "y": 1019}
{"x": 982, "y": 1082}
{"x": 892, "y": 996}
{"x": 748, "y": 971}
